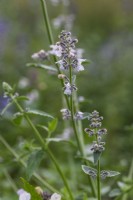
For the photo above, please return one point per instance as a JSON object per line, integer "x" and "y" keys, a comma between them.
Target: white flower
{"x": 23, "y": 195}
{"x": 55, "y": 196}
{"x": 80, "y": 67}
{"x": 56, "y": 50}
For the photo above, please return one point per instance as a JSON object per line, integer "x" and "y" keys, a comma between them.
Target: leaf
{"x": 33, "y": 162}
{"x": 105, "y": 173}
{"x": 90, "y": 171}
{"x": 43, "y": 127}
{"x": 39, "y": 113}
{"x": 38, "y": 65}
{"x": 6, "y": 108}
{"x": 115, "y": 192}
{"x": 22, "y": 98}
{"x": 96, "y": 156}
{"x": 86, "y": 61}
{"x": 60, "y": 140}
{"x": 17, "y": 118}
{"x": 30, "y": 189}
{"x": 52, "y": 125}
{"x": 86, "y": 115}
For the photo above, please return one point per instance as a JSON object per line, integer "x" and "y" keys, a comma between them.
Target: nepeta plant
{"x": 68, "y": 63}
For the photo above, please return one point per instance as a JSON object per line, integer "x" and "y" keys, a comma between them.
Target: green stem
{"x": 98, "y": 172}
{"x": 98, "y": 181}
{"x": 44, "y": 146}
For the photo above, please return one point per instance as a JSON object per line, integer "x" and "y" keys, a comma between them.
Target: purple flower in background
{"x": 3, "y": 102}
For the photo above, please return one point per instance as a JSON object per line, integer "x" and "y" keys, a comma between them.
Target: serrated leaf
{"x": 38, "y": 65}
{"x": 90, "y": 171}
{"x": 30, "y": 189}
{"x": 39, "y": 113}
{"x": 33, "y": 162}
{"x": 108, "y": 173}
{"x": 17, "y": 118}
{"x": 52, "y": 125}
{"x": 96, "y": 156}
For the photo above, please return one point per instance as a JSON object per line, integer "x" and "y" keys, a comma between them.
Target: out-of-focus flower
{"x": 57, "y": 2}
{"x": 55, "y": 196}
{"x": 79, "y": 115}
{"x": 23, "y": 83}
{"x": 23, "y": 195}
{"x": 65, "y": 21}
{"x": 66, "y": 114}
{"x": 40, "y": 55}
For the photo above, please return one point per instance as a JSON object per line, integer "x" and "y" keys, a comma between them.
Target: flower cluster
{"x": 69, "y": 58}
{"x": 66, "y": 50}
{"x": 96, "y": 130}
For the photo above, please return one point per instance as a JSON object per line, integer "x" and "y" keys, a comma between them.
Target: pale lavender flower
{"x": 64, "y": 20}
{"x": 66, "y": 114}
{"x": 80, "y": 67}
{"x": 55, "y": 196}
{"x": 56, "y": 50}
{"x": 68, "y": 88}
{"x": 79, "y": 115}
{"x": 40, "y": 56}
{"x": 57, "y": 2}
{"x": 23, "y": 195}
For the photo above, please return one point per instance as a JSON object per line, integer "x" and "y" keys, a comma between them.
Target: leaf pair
{"x": 93, "y": 172}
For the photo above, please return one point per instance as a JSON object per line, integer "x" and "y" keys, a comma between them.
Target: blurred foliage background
{"x": 105, "y": 31}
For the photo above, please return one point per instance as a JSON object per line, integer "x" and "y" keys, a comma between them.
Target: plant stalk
{"x": 79, "y": 138}
{"x": 44, "y": 146}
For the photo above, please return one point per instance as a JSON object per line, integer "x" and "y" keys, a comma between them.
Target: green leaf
{"x": 43, "y": 127}
{"x": 17, "y": 118}
{"x": 60, "y": 140}
{"x": 22, "y": 98}
{"x": 90, "y": 171}
{"x": 86, "y": 61}
{"x": 33, "y": 162}
{"x": 30, "y": 189}
{"x": 108, "y": 173}
{"x": 39, "y": 113}
{"x": 6, "y": 108}
{"x": 96, "y": 156}
{"x": 38, "y": 65}
{"x": 115, "y": 192}
{"x": 52, "y": 125}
